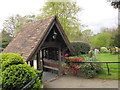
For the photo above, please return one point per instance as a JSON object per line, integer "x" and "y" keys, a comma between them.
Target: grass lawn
{"x": 115, "y": 74}
{"x": 109, "y": 58}
{"x": 114, "y": 67}
{"x": 106, "y": 57}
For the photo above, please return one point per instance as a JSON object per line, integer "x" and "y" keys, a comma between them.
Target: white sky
{"x": 96, "y": 13}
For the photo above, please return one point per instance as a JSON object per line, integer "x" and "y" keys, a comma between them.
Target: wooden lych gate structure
{"x": 44, "y": 41}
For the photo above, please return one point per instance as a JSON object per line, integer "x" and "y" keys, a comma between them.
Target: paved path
{"x": 48, "y": 76}
{"x": 78, "y": 82}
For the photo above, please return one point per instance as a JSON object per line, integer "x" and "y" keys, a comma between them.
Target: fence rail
{"x": 99, "y": 62}
{"x": 96, "y": 62}
{"x": 25, "y": 87}
{"x": 39, "y": 75}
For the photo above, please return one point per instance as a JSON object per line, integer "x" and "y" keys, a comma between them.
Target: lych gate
{"x": 43, "y": 40}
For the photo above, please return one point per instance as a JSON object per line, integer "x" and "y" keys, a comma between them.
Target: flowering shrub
{"x": 103, "y": 50}
{"x": 114, "y": 50}
{"x": 74, "y": 59}
{"x": 89, "y": 70}
{"x": 70, "y": 67}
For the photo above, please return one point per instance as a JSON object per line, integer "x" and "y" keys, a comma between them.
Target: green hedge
{"x": 17, "y": 76}
{"x": 11, "y": 59}
{"x": 16, "y": 73}
{"x": 80, "y": 48}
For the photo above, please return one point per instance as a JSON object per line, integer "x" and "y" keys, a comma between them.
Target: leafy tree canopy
{"x": 67, "y": 14}
{"x": 4, "y": 39}
{"x": 14, "y": 24}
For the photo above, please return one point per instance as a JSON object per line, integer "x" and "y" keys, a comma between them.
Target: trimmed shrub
{"x": 103, "y": 50}
{"x": 11, "y": 59}
{"x": 15, "y": 77}
{"x": 80, "y": 48}
{"x": 16, "y": 73}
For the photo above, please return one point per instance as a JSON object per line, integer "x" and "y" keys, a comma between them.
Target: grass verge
{"x": 115, "y": 74}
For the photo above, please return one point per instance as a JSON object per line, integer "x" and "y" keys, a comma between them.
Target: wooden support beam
{"x": 27, "y": 62}
{"x": 51, "y": 44}
{"x": 38, "y": 60}
{"x": 63, "y": 52}
{"x": 54, "y": 54}
{"x": 59, "y": 58}
{"x": 31, "y": 63}
{"x": 42, "y": 60}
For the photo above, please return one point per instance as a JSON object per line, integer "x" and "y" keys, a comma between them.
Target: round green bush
{"x": 103, "y": 50}
{"x": 91, "y": 69}
{"x": 11, "y": 59}
{"x": 16, "y": 73}
{"x": 80, "y": 48}
{"x": 15, "y": 77}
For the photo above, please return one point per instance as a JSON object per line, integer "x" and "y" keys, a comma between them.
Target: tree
{"x": 5, "y": 39}
{"x": 86, "y": 34}
{"x": 22, "y": 21}
{"x": 116, "y": 4}
{"x": 10, "y": 24}
{"x": 67, "y": 14}
{"x": 103, "y": 39}
{"x": 116, "y": 41}
{"x": 14, "y": 24}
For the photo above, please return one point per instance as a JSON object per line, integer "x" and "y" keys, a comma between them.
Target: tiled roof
{"x": 30, "y": 36}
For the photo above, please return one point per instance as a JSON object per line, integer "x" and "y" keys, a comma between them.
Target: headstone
{"x": 96, "y": 52}
{"x": 90, "y": 53}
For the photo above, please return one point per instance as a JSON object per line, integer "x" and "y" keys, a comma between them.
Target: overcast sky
{"x": 95, "y": 13}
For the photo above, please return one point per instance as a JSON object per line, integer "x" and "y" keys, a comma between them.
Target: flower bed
{"x": 75, "y": 59}
{"x": 70, "y": 67}
{"x": 87, "y": 70}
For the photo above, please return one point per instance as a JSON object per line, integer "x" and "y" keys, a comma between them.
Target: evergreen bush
{"x": 80, "y": 48}
{"x": 16, "y": 73}
{"x": 15, "y": 77}
{"x": 91, "y": 69}
{"x": 11, "y": 59}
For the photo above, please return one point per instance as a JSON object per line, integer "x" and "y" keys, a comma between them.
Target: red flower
{"x": 74, "y": 65}
{"x": 76, "y": 59}
{"x": 77, "y": 67}
{"x": 75, "y": 72}
{"x": 66, "y": 54}
{"x": 66, "y": 59}
{"x": 70, "y": 65}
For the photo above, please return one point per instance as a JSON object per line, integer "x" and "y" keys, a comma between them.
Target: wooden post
{"x": 42, "y": 60}
{"x": 59, "y": 56}
{"x": 63, "y": 52}
{"x": 108, "y": 69}
{"x": 45, "y": 53}
{"x": 27, "y": 62}
{"x": 54, "y": 54}
{"x": 31, "y": 63}
{"x": 38, "y": 60}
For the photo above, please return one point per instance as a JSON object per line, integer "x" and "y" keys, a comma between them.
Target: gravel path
{"x": 78, "y": 82}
